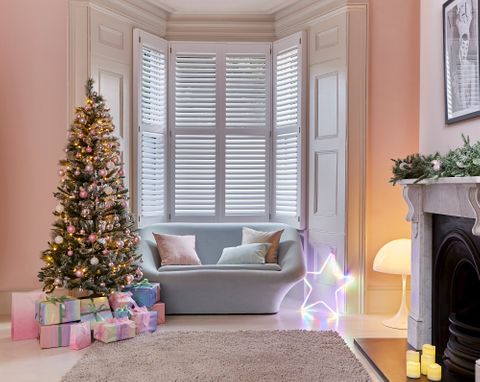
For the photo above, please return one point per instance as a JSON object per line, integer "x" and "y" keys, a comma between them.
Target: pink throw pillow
{"x": 177, "y": 250}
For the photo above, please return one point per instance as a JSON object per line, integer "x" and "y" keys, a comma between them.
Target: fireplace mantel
{"x": 445, "y": 196}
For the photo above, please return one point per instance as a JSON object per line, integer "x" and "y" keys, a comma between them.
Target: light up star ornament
{"x": 342, "y": 282}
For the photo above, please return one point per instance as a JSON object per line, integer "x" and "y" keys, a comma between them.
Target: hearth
{"x": 456, "y": 294}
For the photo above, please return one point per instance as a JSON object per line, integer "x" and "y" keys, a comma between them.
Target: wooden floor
{"x": 24, "y": 361}
{"x": 388, "y": 357}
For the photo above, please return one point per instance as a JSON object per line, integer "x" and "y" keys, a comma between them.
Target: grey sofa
{"x": 222, "y": 289}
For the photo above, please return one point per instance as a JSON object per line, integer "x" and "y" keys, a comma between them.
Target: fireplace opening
{"x": 456, "y": 294}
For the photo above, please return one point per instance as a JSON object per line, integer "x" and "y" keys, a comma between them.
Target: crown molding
{"x": 189, "y": 27}
{"x": 306, "y": 12}
{"x": 141, "y": 13}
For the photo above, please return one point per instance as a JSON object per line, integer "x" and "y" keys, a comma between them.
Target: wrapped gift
{"x": 95, "y": 310}
{"x": 114, "y": 329}
{"x": 121, "y": 313}
{"x": 145, "y": 320}
{"x": 54, "y": 336}
{"x": 159, "y": 307}
{"x": 57, "y": 310}
{"x": 145, "y": 293}
{"x": 80, "y": 335}
{"x": 24, "y": 325}
{"x": 121, "y": 300}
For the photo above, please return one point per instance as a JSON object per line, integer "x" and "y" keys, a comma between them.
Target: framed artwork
{"x": 461, "y": 60}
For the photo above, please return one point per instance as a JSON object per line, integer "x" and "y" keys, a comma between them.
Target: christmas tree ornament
{"x": 87, "y": 205}
{"x": 94, "y": 260}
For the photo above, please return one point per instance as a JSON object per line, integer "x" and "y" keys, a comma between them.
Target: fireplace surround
{"x": 445, "y": 284}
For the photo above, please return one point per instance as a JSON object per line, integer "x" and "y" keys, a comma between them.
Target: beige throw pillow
{"x": 177, "y": 250}
{"x": 250, "y": 236}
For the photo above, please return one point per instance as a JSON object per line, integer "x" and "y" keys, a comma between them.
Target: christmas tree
{"x": 93, "y": 240}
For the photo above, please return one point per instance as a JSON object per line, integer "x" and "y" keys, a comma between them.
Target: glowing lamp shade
{"x": 395, "y": 257}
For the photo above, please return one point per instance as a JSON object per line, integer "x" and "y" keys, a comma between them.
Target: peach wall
{"x": 392, "y": 132}
{"x": 435, "y": 135}
{"x": 33, "y": 121}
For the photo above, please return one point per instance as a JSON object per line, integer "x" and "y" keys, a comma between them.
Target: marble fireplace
{"x": 445, "y": 282}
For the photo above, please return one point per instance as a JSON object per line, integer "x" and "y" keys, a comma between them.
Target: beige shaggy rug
{"x": 263, "y": 355}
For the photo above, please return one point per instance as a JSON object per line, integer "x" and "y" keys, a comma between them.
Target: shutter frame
{"x": 150, "y": 85}
{"x": 289, "y": 130}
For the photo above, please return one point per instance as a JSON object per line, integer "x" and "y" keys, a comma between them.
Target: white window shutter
{"x": 289, "y": 133}
{"x": 193, "y": 120}
{"x": 247, "y": 129}
{"x": 150, "y": 94}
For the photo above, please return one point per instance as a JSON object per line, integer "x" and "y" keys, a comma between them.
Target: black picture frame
{"x": 461, "y": 60}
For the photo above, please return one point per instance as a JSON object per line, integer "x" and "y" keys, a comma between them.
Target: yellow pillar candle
{"x": 413, "y": 369}
{"x": 428, "y": 349}
{"x": 427, "y": 360}
{"x": 413, "y": 356}
{"x": 434, "y": 372}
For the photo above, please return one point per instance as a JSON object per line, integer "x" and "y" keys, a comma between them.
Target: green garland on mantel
{"x": 461, "y": 162}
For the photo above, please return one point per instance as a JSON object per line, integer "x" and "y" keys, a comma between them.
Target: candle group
{"x": 424, "y": 364}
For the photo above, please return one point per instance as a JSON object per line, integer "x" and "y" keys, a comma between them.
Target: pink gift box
{"x": 145, "y": 320}
{"x": 54, "y": 336}
{"x": 114, "y": 329}
{"x": 119, "y": 300}
{"x": 24, "y": 325}
{"x": 159, "y": 307}
{"x": 80, "y": 335}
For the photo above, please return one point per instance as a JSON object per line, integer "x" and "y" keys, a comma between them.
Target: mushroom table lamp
{"x": 395, "y": 257}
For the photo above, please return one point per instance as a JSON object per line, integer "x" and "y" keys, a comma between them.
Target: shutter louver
{"x": 245, "y": 175}
{"x": 150, "y": 65}
{"x": 195, "y": 185}
{"x": 195, "y": 91}
{"x": 152, "y": 174}
{"x": 245, "y": 103}
{"x": 288, "y": 180}
{"x": 286, "y": 174}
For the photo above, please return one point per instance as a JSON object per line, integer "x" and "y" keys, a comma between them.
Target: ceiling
{"x": 264, "y": 7}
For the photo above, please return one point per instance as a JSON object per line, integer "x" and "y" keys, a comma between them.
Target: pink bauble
{"x": 119, "y": 244}
{"x": 88, "y": 149}
{"x": 83, "y": 194}
{"x": 124, "y": 203}
{"x": 102, "y": 172}
{"x": 88, "y": 168}
{"x": 70, "y": 229}
{"x": 70, "y": 253}
{"x": 78, "y": 155}
{"x": 61, "y": 173}
{"x": 77, "y": 173}
{"x": 129, "y": 278}
{"x": 82, "y": 232}
{"x": 111, "y": 265}
{"x": 79, "y": 273}
{"x": 121, "y": 172}
{"x": 105, "y": 252}
{"x": 92, "y": 238}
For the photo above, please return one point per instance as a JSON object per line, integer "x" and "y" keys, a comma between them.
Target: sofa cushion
{"x": 177, "y": 250}
{"x": 230, "y": 267}
{"x": 245, "y": 254}
{"x": 250, "y": 236}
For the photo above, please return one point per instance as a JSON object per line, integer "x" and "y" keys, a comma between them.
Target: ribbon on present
{"x": 144, "y": 282}
{"x": 122, "y": 312}
{"x": 61, "y": 306}
{"x": 96, "y": 311}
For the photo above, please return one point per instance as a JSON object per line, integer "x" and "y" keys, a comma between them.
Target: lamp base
{"x": 400, "y": 320}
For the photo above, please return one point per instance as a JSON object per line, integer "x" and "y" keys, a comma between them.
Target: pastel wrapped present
{"x": 95, "y": 310}
{"x": 145, "y": 293}
{"x": 121, "y": 300}
{"x": 24, "y": 326}
{"x": 80, "y": 335}
{"x": 57, "y": 310}
{"x": 159, "y": 307}
{"x": 145, "y": 320}
{"x": 114, "y": 329}
{"x": 54, "y": 336}
{"x": 121, "y": 313}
